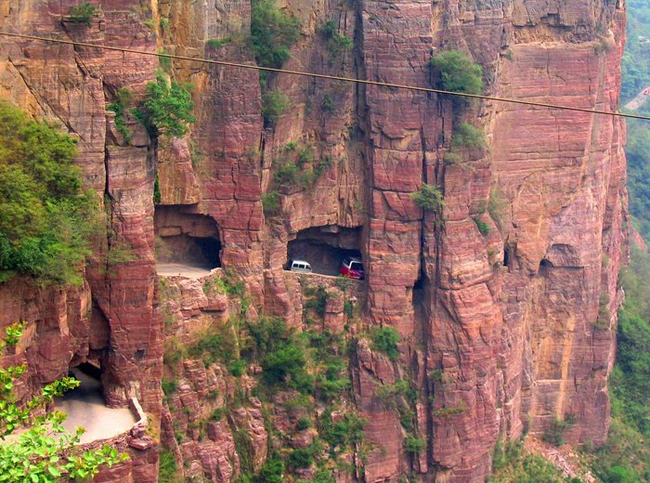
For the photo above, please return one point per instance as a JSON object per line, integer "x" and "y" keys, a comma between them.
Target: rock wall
{"x": 499, "y": 331}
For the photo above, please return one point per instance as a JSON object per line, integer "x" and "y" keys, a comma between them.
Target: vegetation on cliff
{"x": 273, "y": 32}
{"x": 47, "y": 221}
{"x": 168, "y": 108}
{"x": 458, "y": 72}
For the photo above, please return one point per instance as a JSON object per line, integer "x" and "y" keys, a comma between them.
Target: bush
{"x": 47, "y": 222}
{"x": 385, "y": 340}
{"x": 497, "y": 206}
{"x": 483, "y": 228}
{"x": 468, "y": 136}
{"x": 337, "y": 43}
{"x": 413, "y": 445}
{"x": 168, "y": 108}
{"x": 167, "y": 468}
{"x": 271, "y": 204}
{"x": 303, "y": 423}
{"x": 555, "y": 433}
{"x": 120, "y": 106}
{"x": 274, "y": 104}
{"x": 83, "y": 14}
{"x": 272, "y": 33}
{"x": 218, "y": 43}
{"x": 458, "y": 72}
{"x": 429, "y": 198}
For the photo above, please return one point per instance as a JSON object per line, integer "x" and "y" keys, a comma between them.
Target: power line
{"x": 325, "y": 76}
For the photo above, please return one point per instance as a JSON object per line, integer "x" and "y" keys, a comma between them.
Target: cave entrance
{"x": 325, "y": 247}
{"x": 187, "y": 244}
{"x": 86, "y": 407}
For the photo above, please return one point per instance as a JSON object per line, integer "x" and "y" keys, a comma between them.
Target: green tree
{"x": 168, "y": 109}
{"x": 47, "y": 221}
{"x": 458, "y": 72}
{"x": 272, "y": 33}
{"x": 41, "y": 450}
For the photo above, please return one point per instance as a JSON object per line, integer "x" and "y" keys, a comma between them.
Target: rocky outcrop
{"x": 505, "y": 302}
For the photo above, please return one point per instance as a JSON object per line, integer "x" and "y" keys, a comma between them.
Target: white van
{"x": 299, "y": 266}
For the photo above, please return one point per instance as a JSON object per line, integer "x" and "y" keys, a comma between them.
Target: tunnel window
{"x": 328, "y": 249}
{"x": 506, "y": 256}
{"x": 186, "y": 238}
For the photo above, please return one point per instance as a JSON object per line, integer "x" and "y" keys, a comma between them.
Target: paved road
{"x": 181, "y": 270}
{"x": 85, "y": 407}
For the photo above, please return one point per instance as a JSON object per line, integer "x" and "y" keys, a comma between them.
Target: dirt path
{"x": 86, "y": 408}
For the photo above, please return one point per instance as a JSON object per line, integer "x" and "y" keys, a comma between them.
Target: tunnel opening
{"x": 325, "y": 248}
{"x": 85, "y": 406}
{"x": 185, "y": 242}
{"x": 506, "y": 256}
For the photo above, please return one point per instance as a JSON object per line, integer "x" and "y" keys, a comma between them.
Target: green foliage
{"x": 303, "y": 457}
{"x": 317, "y": 300}
{"x": 272, "y": 33}
{"x": 512, "y": 464}
{"x": 271, "y": 204}
{"x": 414, "y": 445}
{"x": 41, "y": 450}
{"x": 554, "y": 434}
{"x": 47, "y": 222}
{"x": 429, "y": 198}
{"x": 483, "y": 228}
{"x": 218, "y": 43}
{"x": 168, "y": 108}
{"x": 169, "y": 386}
{"x": 385, "y": 339}
{"x": 636, "y": 61}
{"x": 303, "y": 423}
{"x": 83, "y": 13}
{"x": 167, "y": 468}
{"x": 120, "y": 106}
{"x": 274, "y": 104}
{"x": 497, "y": 207}
{"x": 337, "y": 43}
{"x": 468, "y": 136}
{"x": 280, "y": 353}
{"x": 272, "y": 471}
{"x": 458, "y": 72}
{"x": 346, "y": 433}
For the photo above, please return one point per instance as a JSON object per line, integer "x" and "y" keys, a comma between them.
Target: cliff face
{"x": 500, "y": 330}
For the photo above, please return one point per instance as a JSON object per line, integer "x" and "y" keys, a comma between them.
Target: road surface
{"x": 85, "y": 407}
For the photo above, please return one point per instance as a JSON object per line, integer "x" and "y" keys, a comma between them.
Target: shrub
{"x": 458, "y": 72}
{"x": 83, "y": 14}
{"x": 468, "y": 136}
{"x": 218, "y": 43}
{"x": 287, "y": 175}
{"x": 120, "y": 106}
{"x": 302, "y": 457}
{"x": 555, "y": 433}
{"x": 237, "y": 368}
{"x": 303, "y": 423}
{"x": 317, "y": 300}
{"x": 385, "y": 340}
{"x": 274, "y": 104}
{"x": 47, "y": 221}
{"x": 271, "y": 204}
{"x": 167, "y": 468}
{"x": 483, "y": 228}
{"x": 337, "y": 43}
{"x": 272, "y": 33}
{"x": 167, "y": 109}
{"x": 429, "y": 198}
{"x": 413, "y": 445}
{"x": 169, "y": 386}
{"x": 272, "y": 471}
{"x": 497, "y": 206}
